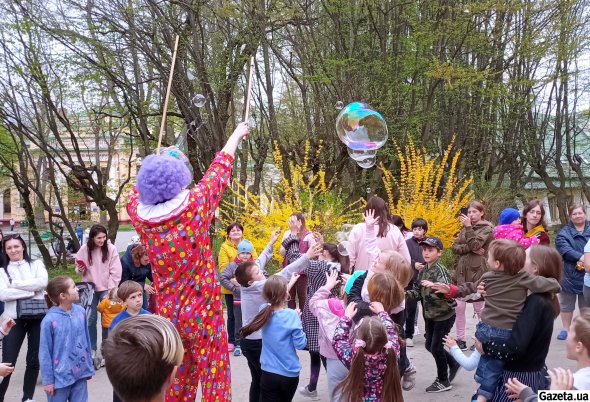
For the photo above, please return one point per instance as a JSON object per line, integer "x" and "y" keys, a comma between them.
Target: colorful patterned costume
{"x": 187, "y": 288}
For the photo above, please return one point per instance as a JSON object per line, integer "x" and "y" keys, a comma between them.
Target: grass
{"x": 61, "y": 270}
{"x": 126, "y": 227}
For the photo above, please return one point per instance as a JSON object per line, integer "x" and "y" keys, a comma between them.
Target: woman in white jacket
{"x": 21, "y": 278}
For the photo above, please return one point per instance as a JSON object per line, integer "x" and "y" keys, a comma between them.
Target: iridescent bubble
{"x": 339, "y": 105}
{"x": 343, "y": 248}
{"x": 367, "y": 162}
{"x": 360, "y": 154}
{"x": 199, "y": 100}
{"x": 361, "y": 127}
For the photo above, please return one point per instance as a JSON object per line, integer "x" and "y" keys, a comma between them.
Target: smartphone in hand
{"x": 464, "y": 211}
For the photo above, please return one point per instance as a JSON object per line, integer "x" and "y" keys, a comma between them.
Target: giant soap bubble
{"x": 367, "y": 162}
{"x": 361, "y": 127}
{"x": 360, "y": 154}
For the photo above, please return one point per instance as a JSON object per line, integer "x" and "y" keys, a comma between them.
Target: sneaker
{"x": 453, "y": 371}
{"x": 313, "y": 395}
{"x": 230, "y": 347}
{"x": 562, "y": 335}
{"x": 472, "y": 347}
{"x": 439, "y": 386}
{"x": 462, "y": 345}
{"x": 102, "y": 363}
{"x": 416, "y": 330}
{"x": 409, "y": 343}
{"x": 409, "y": 378}
{"x": 96, "y": 362}
{"x": 238, "y": 351}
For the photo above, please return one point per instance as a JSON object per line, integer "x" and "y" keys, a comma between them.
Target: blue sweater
{"x": 65, "y": 355}
{"x": 123, "y": 315}
{"x": 281, "y": 337}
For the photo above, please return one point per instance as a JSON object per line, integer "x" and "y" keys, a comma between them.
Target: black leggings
{"x": 11, "y": 347}
{"x": 277, "y": 388}
{"x": 316, "y": 361}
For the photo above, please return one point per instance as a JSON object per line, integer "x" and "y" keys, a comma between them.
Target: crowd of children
{"x": 357, "y": 321}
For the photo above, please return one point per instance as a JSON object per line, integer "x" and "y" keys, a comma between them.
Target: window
{"x": 6, "y": 201}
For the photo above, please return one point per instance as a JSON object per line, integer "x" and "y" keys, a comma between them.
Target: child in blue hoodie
{"x": 282, "y": 336}
{"x": 65, "y": 355}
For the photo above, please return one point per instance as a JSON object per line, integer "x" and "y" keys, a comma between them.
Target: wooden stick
{"x": 249, "y": 91}
{"x": 165, "y": 112}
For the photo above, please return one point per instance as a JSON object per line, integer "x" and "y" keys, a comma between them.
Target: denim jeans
{"x": 77, "y": 392}
{"x": 10, "y": 349}
{"x": 489, "y": 371}
{"x": 231, "y": 320}
{"x": 98, "y": 296}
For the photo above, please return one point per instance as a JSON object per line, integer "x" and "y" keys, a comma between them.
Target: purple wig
{"x": 161, "y": 178}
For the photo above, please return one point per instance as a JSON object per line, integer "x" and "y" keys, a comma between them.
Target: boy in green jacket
{"x": 439, "y": 313}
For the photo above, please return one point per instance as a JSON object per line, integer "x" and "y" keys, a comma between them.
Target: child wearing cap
{"x": 510, "y": 228}
{"x": 439, "y": 313}
{"x": 228, "y": 280}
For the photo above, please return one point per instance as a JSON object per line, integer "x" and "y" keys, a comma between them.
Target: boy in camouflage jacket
{"x": 439, "y": 313}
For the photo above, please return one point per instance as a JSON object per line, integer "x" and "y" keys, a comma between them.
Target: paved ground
{"x": 100, "y": 389}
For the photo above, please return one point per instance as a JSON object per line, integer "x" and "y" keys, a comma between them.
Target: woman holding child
{"x": 527, "y": 347}
{"x": 570, "y": 243}
{"x": 471, "y": 246}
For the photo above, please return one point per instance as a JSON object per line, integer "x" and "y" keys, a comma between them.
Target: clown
{"x": 173, "y": 223}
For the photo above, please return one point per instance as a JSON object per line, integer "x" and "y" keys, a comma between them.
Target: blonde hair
{"x": 385, "y": 289}
{"x": 140, "y": 354}
{"x": 581, "y": 326}
{"x": 398, "y": 266}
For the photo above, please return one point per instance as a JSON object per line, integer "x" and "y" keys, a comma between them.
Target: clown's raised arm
{"x": 173, "y": 223}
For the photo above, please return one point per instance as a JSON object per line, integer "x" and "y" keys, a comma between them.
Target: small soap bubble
{"x": 368, "y": 190}
{"x": 251, "y": 122}
{"x": 339, "y": 105}
{"x": 190, "y": 76}
{"x": 367, "y": 162}
{"x": 360, "y": 154}
{"x": 360, "y": 127}
{"x": 343, "y": 248}
{"x": 199, "y": 100}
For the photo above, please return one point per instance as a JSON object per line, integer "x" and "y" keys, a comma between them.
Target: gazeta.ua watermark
{"x": 563, "y": 395}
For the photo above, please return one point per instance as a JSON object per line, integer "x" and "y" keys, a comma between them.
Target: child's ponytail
{"x": 352, "y": 388}
{"x": 258, "y": 322}
{"x": 55, "y": 287}
{"x": 275, "y": 293}
{"x": 392, "y": 389}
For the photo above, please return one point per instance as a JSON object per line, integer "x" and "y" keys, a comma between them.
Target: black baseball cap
{"x": 432, "y": 241}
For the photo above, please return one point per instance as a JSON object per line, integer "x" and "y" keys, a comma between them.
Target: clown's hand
{"x": 239, "y": 133}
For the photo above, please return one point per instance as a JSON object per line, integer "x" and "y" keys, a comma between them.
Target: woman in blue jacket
{"x": 570, "y": 242}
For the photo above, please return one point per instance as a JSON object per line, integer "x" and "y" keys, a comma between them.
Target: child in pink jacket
{"x": 510, "y": 228}
{"x": 328, "y": 312}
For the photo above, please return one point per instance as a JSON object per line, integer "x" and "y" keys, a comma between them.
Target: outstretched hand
{"x": 514, "y": 388}
{"x": 241, "y": 131}
{"x": 332, "y": 279}
{"x": 561, "y": 379}
{"x": 274, "y": 236}
{"x": 315, "y": 251}
{"x": 370, "y": 218}
{"x": 350, "y": 310}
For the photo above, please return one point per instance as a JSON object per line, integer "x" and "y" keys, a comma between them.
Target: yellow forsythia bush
{"x": 321, "y": 203}
{"x": 428, "y": 189}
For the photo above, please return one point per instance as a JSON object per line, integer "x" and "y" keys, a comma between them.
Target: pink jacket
{"x": 105, "y": 275}
{"x": 319, "y": 305}
{"x": 359, "y": 256}
{"x": 516, "y": 233}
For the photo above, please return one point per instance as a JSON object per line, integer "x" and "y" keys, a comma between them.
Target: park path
{"x": 100, "y": 389}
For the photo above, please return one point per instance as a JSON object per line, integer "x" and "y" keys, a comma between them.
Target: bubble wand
{"x": 165, "y": 112}
{"x": 249, "y": 90}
